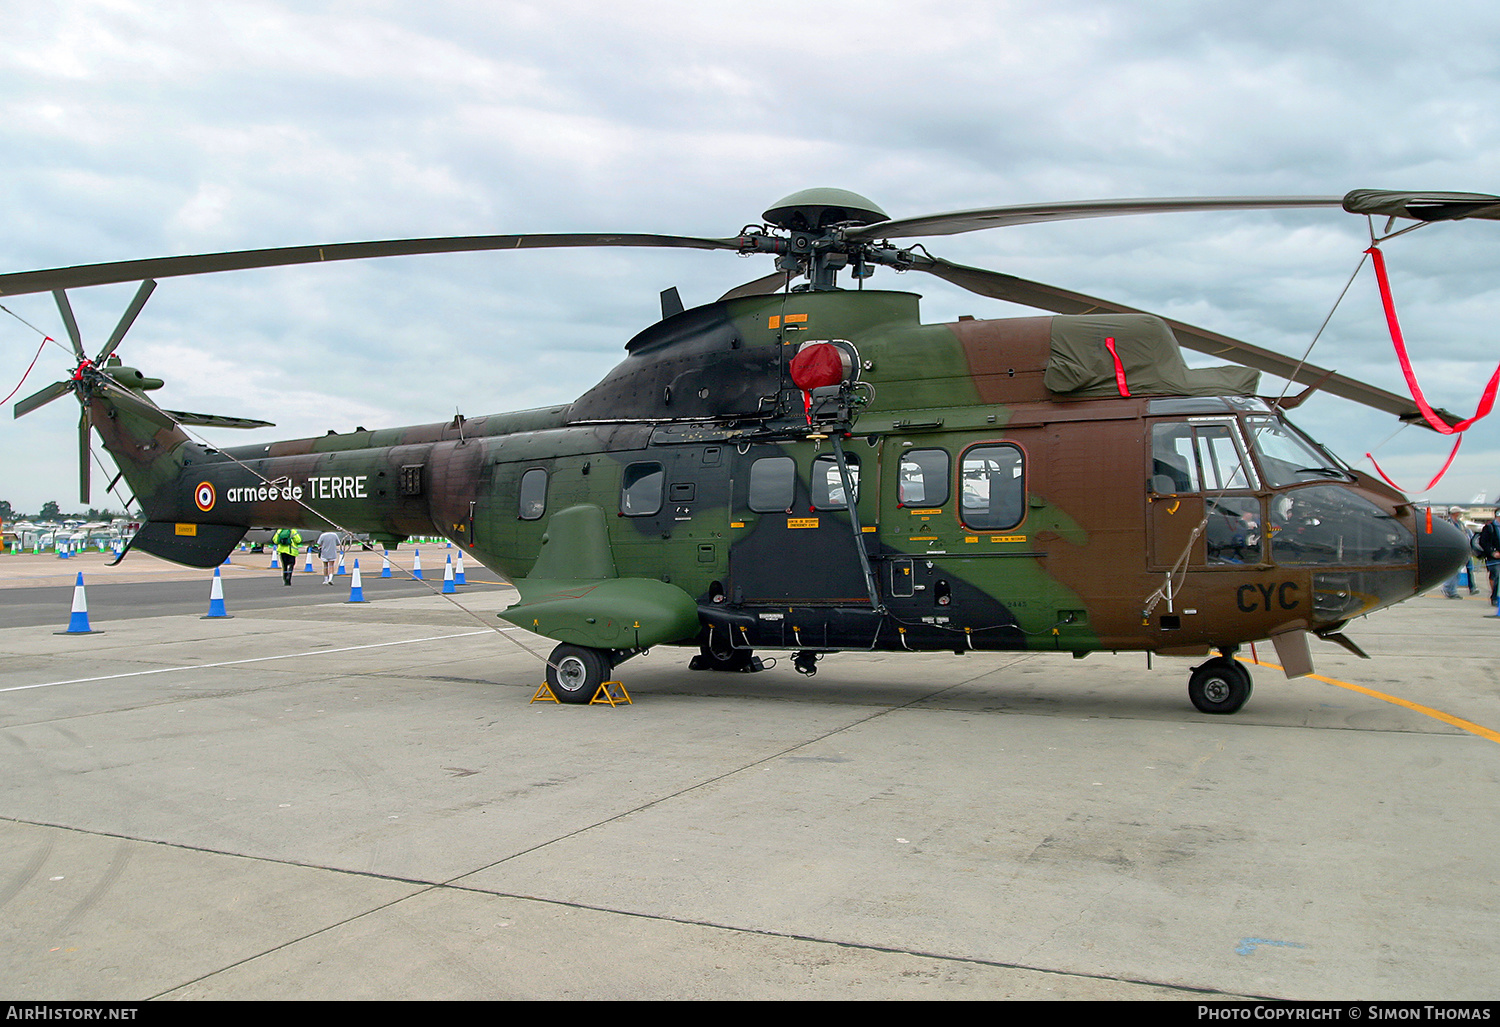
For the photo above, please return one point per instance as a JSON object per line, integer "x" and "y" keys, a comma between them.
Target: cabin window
{"x": 773, "y": 483}
{"x": 993, "y": 496}
{"x": 828, "y": 484}
{"x": 924, "y": 477}
{"x": 640, "y": 489}
{"x": 533, "y": 497}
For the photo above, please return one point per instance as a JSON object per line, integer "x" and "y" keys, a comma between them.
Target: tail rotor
{"x": 90, "y": 378}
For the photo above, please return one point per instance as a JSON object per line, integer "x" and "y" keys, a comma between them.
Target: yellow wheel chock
{"x": 610, "y": 693}
{"x": 616, "y": 696}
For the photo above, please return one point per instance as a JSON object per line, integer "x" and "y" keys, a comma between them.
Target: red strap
{"x": 45, "y": 339}
{"x": 1109, "y": 344}
{"x": 1486, "y": 402}
{"x": 1449, "y": 463}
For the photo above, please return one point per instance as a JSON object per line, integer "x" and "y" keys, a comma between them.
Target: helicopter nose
{"x": 1440, "y": 553}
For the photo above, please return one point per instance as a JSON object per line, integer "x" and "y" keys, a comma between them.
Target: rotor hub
{"x": 816, "y": 210}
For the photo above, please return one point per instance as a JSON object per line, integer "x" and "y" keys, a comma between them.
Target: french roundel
{"x": 204, "y": 497}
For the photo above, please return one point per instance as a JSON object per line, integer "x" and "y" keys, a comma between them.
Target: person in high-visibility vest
{"x": 288, "y": 543}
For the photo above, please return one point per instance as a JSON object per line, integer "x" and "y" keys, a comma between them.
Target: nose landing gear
{"x": 1222, "y": 685}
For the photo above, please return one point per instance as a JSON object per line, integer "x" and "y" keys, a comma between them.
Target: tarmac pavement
{"x": 318, "y": 800}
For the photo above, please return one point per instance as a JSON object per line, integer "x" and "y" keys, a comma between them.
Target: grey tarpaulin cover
{"x": 1428, "y": 206}
{"x": 1081, "y": 365}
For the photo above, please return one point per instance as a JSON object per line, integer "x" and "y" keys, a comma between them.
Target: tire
{"x": 575, "y": 673}
{"x": 1219, "y": 686}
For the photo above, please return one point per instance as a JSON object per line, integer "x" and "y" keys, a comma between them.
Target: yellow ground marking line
{"x": 1428, "y": 711}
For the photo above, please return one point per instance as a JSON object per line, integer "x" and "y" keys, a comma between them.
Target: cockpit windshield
{"x": 1287, "y": 457}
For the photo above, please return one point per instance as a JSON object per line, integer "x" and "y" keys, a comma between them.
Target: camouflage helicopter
{"x": 806, "y": 468}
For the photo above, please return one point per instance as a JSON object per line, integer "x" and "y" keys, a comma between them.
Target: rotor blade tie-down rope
{"x": 45, "y": 339}
{"x": 1486, "y": 401}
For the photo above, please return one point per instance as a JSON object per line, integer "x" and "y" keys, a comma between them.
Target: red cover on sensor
{"x": 819, "y": 365}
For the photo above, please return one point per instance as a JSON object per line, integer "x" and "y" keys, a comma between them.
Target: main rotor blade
{"x": 42, "y": 398}
{"x": 66, "y": 310}
{"x": 127, "y": 319}
{"x": 238, "y": 260}
{"x": 1064, "y": 301}
{"x": 187, "y": 417}
{"x": 767, "y": 286}
{"x": 1031, "y": 213}
{"x": 85, "y": 446}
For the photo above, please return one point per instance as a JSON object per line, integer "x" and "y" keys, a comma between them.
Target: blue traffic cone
{"x": 356, "y": 587}
{"x": 385, "y": 565}
{"x": 341, "y": 571}
{"x": 458, "y": 570}
{"x": 216, "y": 598}
{"x": 309, "y": 562}
{"x": 416, "y": 564}
{"x": 448, "y": 588}
{"x": 78, "y": 624}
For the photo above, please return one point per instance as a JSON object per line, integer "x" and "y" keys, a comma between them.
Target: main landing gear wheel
{"x": 1219, "y": 686}
{"x": 575, "y": 673}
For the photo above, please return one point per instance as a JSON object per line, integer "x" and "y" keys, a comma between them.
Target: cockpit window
{"x": 1287, "y": 457}
{"x": 1189, "y": 456}
{"x": 1327, "y": 524}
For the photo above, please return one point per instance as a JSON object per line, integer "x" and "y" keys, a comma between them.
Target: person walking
{"x": 288, "y": 543}
{"x": 1450, "y": 587}
{"x": 1489, "y": 548}
{"x": 328, "y": 552}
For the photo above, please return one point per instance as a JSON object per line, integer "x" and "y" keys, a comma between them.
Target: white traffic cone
{"x": 356, "y": 587}
{"x": 385, "y": 565}
{"x": 216, "y": 599}
{"x": 416, "y": 564}
{"x": 78, "y": 623}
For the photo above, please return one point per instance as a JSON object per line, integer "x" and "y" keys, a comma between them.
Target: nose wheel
{"x": 1222, "y": 685}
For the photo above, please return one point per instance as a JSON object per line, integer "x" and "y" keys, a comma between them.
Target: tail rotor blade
{"x": 85, "y": 454}
{"x": 127, "y": 319}
{"x": 66, "y": 310}
{"x": 42, "y": 398}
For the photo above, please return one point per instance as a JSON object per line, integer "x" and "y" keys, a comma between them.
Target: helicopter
{"x": 807, "y": 468}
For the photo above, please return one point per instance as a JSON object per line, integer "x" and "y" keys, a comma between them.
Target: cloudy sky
{"x": 134, "y": 129}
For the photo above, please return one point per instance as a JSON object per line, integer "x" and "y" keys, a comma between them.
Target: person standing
{"x": 288, "y": 543}
{"x": 328, "y": 552}
{"x": 1489, "y": 548}
{"x": 1450, "y": 587}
